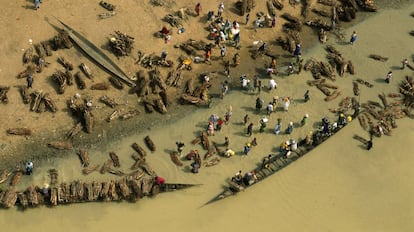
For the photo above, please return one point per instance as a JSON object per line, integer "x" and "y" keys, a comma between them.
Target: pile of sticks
{"x": 3, "y": 94}
{"x": 121, "y": 44}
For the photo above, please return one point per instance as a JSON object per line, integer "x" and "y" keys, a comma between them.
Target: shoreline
{"x": 340, "y": 179}
{"x": 99, "y": 137}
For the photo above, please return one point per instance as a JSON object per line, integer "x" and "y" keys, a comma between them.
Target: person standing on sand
{"x": 227, "y": 68}
{"x": 306, "y": 96}
{"x": 164, "y": 55}
{"x": 29, "y": 80}
{"x": 388, "y": 77}
{"x": 37, "y": 4}
{"x": 245, "y": 119}
{"x": 247, "y": 18}
{"x": 29, "y": 167}
{"x": 224, "y": 89}
{"x": 259, "y": 104}
{"x": 289, "y": 129}
{"x": 250, "y": 129}
{"x": 180, "y": 146}
{"x": 220, "y": 9}
{"x": 274, "y": 21}
{"x": 404, "y": 63}
{"x": 223, "y": 51}
{"x": 353, "y": 38}
{"x": 278, "y": 126}
{"x": 226, "y": 141}
{"x": 304, "y": 119}
{"x": 210, "y": 129}
{"x": 198, "y": 9}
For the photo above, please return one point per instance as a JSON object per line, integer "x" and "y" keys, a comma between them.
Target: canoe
{"x": 275, "y": 164}
{"x": 96, "y": 54}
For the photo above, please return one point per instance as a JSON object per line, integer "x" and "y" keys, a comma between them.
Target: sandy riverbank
{"x": 337, "y": 187}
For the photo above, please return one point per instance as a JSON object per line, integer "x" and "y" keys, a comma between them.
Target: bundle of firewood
{"x": 121, "y": 44}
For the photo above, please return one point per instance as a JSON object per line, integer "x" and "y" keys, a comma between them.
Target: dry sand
{"x": 339, "y": 186}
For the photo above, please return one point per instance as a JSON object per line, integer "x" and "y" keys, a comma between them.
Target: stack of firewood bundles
{"x": 3, "y": 94}
{"x": 130, "y": 188}
{"x": 82, "y": 109}
{"x": 121, "y": 44}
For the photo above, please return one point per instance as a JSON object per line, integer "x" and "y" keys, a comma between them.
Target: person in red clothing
{"x": 198, "y": 9}
{"x": 159, "y": 180}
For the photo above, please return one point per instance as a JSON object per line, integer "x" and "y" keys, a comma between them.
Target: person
{"x": 219, "y": 124}
{"x": 297, "y": 52}
{"x": 353, "y": 38}
{"x": 236, "y": 39}
{"x": 229, "y": 152}
{"x": 37, "y": 4}
{"x": 167, "y": 39}
{"x": 236, "y": 59}
{"x": 198, "y": 9}
{"x": 213, "y": 118}
{"x": 272, "y": 84}
{"x": 223, "y": 51}
{"x": 217, "y": 41}
{"x": 245, "y": 119}
{"x": 227, "y": 116}
{"x": 29, "y": 80}
{"x": 304, "y": 119}
{"x": 244, "y": 82}
{"x": 159, "y": 180}
{"x": 227, "y": 68}
{"x": 290, "y": 69}
{"x": 206, "y": 79}
{"x": 208, "y": 55}
{"x": 224, "y": 89}
{"x": 388, "y": 77}
{"x": 257, "y": 83}
{"x": 220, "y": 9}
{"x": 164, "y": 55}
{"x": 210, "y": 16}
{"x": 273, "y": 63}
{"x": 29, "y": 167}
{"x": 278, "y": 126}
{"x": 247, "y": 18}
{"x": 266, "y": 161}
{"x": 180, "y": 146}
{"x": 192, "y": 154}
{"x": 254, "y": 142}
{"x": 195, "y": 166}
{"x": 293, "y": 145}
{"x": 289, "y": 129}
{"x": 259, "y": 104}
{"x": 286, "y": 103}
{"x": 249, "y": 178}
{"x": 257, "y": 23}
{"x": 238, "y": 177}
{"x": 342, "y": 120}
{"x": 210, "y": 129}
{"x": 247, "y": 148}
{"x": 164, "y": 31}
{"x": 226, "y": 141}
{"x": 369, "y": 144}
{"x": 269, "y": 108}
{"x": 262, "y": 48}
{"x": 274, "y": 21}
{"x": 404, "y": 63}
{"x": 306, "y": 96}
{"x": 250, "y": 129}
{"x": 262, "y": 124}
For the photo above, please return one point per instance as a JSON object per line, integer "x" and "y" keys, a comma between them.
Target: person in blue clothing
{"x": 297, "y": 50}
{"x": 353, "y": 38}
{"x": 247, "y": 148}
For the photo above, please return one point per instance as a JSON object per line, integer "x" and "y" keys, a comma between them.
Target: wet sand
{"x": 338, "y": 186}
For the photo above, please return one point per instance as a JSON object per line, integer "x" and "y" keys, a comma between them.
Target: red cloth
{"x": 160, "y": 180}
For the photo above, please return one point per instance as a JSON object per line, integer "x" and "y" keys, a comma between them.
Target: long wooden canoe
{"x": 276, "y": 163}
{"x": 96, "y": 54}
